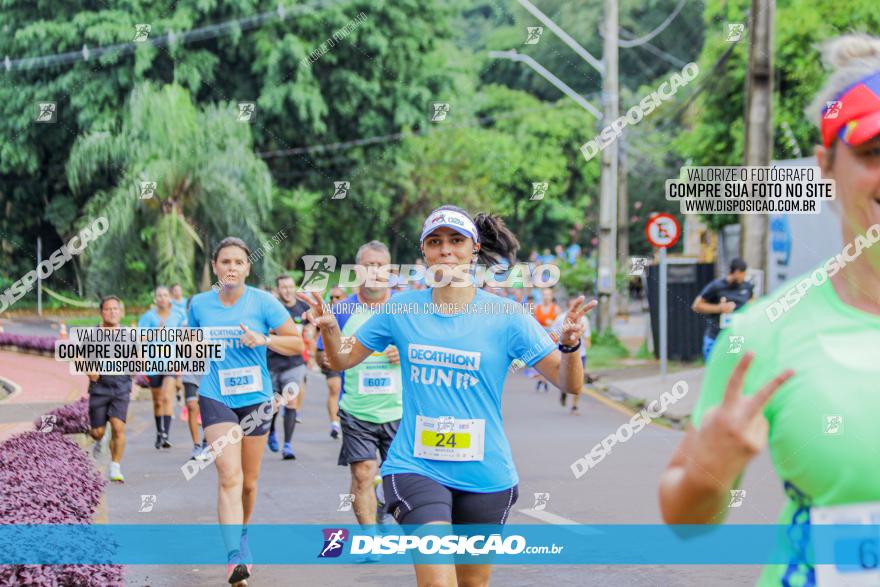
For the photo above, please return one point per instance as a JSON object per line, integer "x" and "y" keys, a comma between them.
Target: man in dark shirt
{"x": 108, "y": 398}
{"x": 721, "y": 298}
{"x": 287, "y": 372}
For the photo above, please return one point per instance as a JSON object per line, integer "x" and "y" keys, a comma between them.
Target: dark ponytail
{"x": 497, "y": 243}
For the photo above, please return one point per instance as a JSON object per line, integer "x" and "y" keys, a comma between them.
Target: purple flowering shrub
{"x": 48, "y": 479}
{"x": 27, "y": 341}
{"x": 68, "y": 419}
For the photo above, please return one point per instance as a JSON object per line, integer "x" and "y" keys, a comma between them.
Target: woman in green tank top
{"x": 808, "y": 381}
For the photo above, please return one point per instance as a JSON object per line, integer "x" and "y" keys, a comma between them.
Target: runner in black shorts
{"x": 235, "y": 395}
{"x": 108, "y": 399}
{"x": 288, "y": 373}
{"x": 334, "y": 378}
{"x": 162, "y": 385}
{"x": 370, "y": 406}
{"x": 191, "y": 396}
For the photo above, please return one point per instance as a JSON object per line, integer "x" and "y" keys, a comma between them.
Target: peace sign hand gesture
{"x": 732, "y": 433}
{"x": 573, "y": 327}
{"x": 316, "y": 315}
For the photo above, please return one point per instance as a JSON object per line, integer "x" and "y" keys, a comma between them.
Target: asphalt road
{"x": 546, "y": 439}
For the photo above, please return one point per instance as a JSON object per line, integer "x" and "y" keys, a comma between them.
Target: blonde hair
{"x": 849, "y": 58}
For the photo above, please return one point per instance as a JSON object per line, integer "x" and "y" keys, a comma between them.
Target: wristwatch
{"x": 564, "y": 348}
{"x": 266, "y": 340}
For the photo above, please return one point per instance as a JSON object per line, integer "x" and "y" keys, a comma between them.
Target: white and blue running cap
{"x": 452, "y": 219}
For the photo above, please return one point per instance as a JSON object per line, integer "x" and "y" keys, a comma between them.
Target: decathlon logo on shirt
{"x": 439, "y": 356}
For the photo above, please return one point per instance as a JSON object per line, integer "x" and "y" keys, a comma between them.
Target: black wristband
{"x": 564, "y": 348}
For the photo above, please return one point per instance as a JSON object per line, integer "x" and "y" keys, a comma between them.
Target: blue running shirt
{"x": 181, "y": 305}
{"x": 242, "y": 377}
{"x": 151, "y": 319}
{"x": 453, "y": 368}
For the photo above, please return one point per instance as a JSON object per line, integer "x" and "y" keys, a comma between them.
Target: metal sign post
{"x": 663, "y": 231}
{"x": 39, "y": 280}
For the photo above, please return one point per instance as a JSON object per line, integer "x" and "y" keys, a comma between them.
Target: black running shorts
{"x": 361, "y": 440}
{"x": 416, "y": 499}
{"x": 214, "y": 412}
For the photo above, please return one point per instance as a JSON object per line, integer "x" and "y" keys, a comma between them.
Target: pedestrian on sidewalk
{"x": 720, "y": 298}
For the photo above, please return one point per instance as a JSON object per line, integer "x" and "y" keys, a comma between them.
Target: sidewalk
{"x": 45, "y": 384}
{"x": 33, "y": 325}
{"x": 649, "y": 389}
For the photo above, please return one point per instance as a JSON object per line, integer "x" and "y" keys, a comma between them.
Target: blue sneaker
{"x": 273, "y": 443}
{"x": 287, "y": 452}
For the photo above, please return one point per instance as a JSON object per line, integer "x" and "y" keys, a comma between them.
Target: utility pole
{"x": 623, "y": 219}
{"x": 608, "y": 194}
{"x": 759, "y": 124}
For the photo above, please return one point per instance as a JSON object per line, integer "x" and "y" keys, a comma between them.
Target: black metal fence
{"x": 684, "y": 326}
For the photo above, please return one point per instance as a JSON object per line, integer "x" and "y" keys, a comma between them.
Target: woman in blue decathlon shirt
{"x": 450, "y": 461}
{"x": 235, "y": 396}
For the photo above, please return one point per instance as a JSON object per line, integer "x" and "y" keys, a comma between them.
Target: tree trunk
{"x": 79, "y": 286}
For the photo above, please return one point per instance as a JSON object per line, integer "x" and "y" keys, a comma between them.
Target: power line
{"x": 280, "y": 14}
{"x": 662, "y": 54}
{"x": 644, "y": 39}
{"x": 378, "y": 139}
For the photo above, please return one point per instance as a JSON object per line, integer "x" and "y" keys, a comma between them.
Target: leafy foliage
{"x": 208, "y": 184}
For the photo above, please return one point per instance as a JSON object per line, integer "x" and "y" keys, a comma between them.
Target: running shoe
{"x": 273, "y": 443}
{"x": 196, "y": 453}
{"x": 98, "y": 449}
{"x": 298, "y": 419}
{"x": 206, "y": 452}
{"x": 287, "y": 452}
{"x": 236, "y": 571}
{"x": 158, "y": 444}
{"x": 116, "y": 473}
{"x": 380, "y": 501}
{"x": 165, "y": 442}
{"x": 335, "y": 429}
{"x": 574, "y": 411}
{"x": 380, "y": 491}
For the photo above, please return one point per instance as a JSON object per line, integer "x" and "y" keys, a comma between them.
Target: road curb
{"x": 630, "y": 404}
{"x": 10, "y": 389}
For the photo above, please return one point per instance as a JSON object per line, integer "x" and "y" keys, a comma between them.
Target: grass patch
{"x": 607, "y": 351}
{"x": 643, "y": 352}
{"x": 96, "y": 320}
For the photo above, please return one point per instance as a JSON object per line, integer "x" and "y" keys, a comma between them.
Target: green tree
{"x": 208, "y": 184}
{"x": 375, "y": 80}
{"x": 716, "y": 122}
